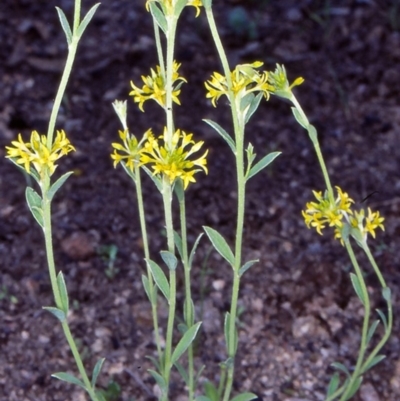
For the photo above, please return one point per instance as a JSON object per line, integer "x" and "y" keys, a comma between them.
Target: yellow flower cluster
{"x": 129, "y": 151}
{"x": 338, "y": 213}
{"x": 154, "y": 87}
{"x": 37, "y": 153}
{"x": 169, "y": 5}
{"x": 173, "y": 162}
{"x": 245, "y": 79}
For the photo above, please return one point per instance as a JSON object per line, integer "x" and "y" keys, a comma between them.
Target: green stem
{"x": 56, "y": 293}
{"x": 367, "y": 312}
{"x": 316, "y": 147}
{"x": 159, "y": 48}
{"x": 167, "y": 200}
{"x": 152, "y": 288}
{"x": 241, "y": 182}
{"x": 188, "y": 294}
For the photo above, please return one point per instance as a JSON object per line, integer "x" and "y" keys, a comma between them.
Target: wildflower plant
{"x": 174, "y": 160}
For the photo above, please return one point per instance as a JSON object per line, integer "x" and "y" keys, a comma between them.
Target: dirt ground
{"x": 299, "y": 311}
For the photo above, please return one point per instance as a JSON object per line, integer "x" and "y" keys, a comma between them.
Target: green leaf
{"x": 374, "y": 361}
{"x": 220, "y": 245}
{"x": 244, "y": 397}
{"x": 158, "y": 17}
{"x": 146, "y": 286}
{"x": 191, "y": 306}
{"x": 247, "y": 266}
{"x": 383, "y": 318}
{"x": 32, "y": 172}
{"x": 180, "y": 5}
{"x": 58, "y": 184}
{"x": 203, "y": 398}
{"x": 96, "y": 371}
{"x": 182, "y": 372}
{"x": 357, "y": 287}
{"x": 264, "y": 162}
{"x": 228, "y": 139}
{"x": 129, "y": 172}
{"x": 154, "y": 178}
{"x": 312, "y": 133}
{"x": 34, "y": 202}
{"x": 159, "y": 278}
{"x": 372, "y": 330}
{"x": 85, "y": 22}
{"x": 58, "y": 313}
{"x": 341, "y": 367}
{"x": 386, "y": 293}
{"x": 253, "y": 107}
{"x": 226, "y": 332}
{"x": 354, "y": 388}
{"x": 333, "y": 384}
{"x": 193, "y": 251}
{"x": 179, "y": 191}
{"x": 154, "y": 361}
{"x": 246, "y": 101}
{"x": 159, "y": 379}
{"x": 211, "y": 391}
{"x": 65, "y": 25}
{"x": 169, "y": 259}
{"x": 178, "y": 243}
{"x": 62, "y": 288}
{"x": 182, "y": 328}
{"x": 300, "y": 118}
{"x": 66, "y": 377}
{"x": 184, "y": 342}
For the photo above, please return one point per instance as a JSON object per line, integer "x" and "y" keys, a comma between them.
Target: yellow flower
{"x": 129, "y": 151}
{"x": 245, "y": 79}
{"x": 168, "y": 6}
{"x": 280, "y": 83}
{"x": 37, "y": 153}
{"x": 174, "y": 162}
{"x": 154, "y": 87}
{"x": 325, "y": 212}
{"x": 197, "y": 4}
{"x": 372, "y": 222}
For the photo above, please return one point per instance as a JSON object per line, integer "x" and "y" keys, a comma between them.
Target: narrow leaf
{"x": 129, "y": 172}
{"x": 312, "y": 133}
{"x": 246, "y": 101}
{"x": 386, "y": 293}
{"x": 383, "y": 318}
{"x": 226, "y": 332}
{"x": 32, "y": 172}
{"x": 264, "y": 162}
{"x": 154, "y": 361}
{"x": 178, "y": 243}
{"x": 169, "y": 259}
{"x": 184, "y": 342}
{"x": 58, "y": 313}
{"x": 299, "y": 118}
{"x": 357, "y": 287}
{"x": 211, "y": 391}
{"x": 333, "y": 384}
{"x": 65, "y": 25}
{"x": 188, "y": 320}
{"x": 341, "y": 367}
{"x": 247, "y": 266}
{"x": 223, "y": 133}
{"x": 66, "y": 377}
{"x": 372, "y": 330}
{"x": 146, "y": 286}
{"x": 34, "y": 202}
{"x": 220, "y": 245}
{"x": 58, "y": 184}
{"x": 374, "y": 361}
{"x": 62, "y": 288}
{"x": 244, "y": 397}
{"x": 193, "y": 251}
{"x": 85, "y": 22}
{"x": 153, "y": 177}
{"x": 159, "y": 380}
{"x": 253, "y": 107}
{"x": 182, "y": 372}
{"x": 159, "y": 278}
{"x": 97, "y": 370}
{"x": 354, "y": 388}
{"x": 158, "y": 17}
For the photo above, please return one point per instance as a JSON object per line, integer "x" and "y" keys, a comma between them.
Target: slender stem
{"x": 152, "y": 287}
{"x": 317, "y": 149}
{"x": 238, "y": 126}
{"x": 374, "y": 265}
{"x": 188, "y": 294}
{"x": 159, "y": 48}
{"x": 56, "y": 293}
{"x": 77, "y": 13}
{"x": 367, "y": 312}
